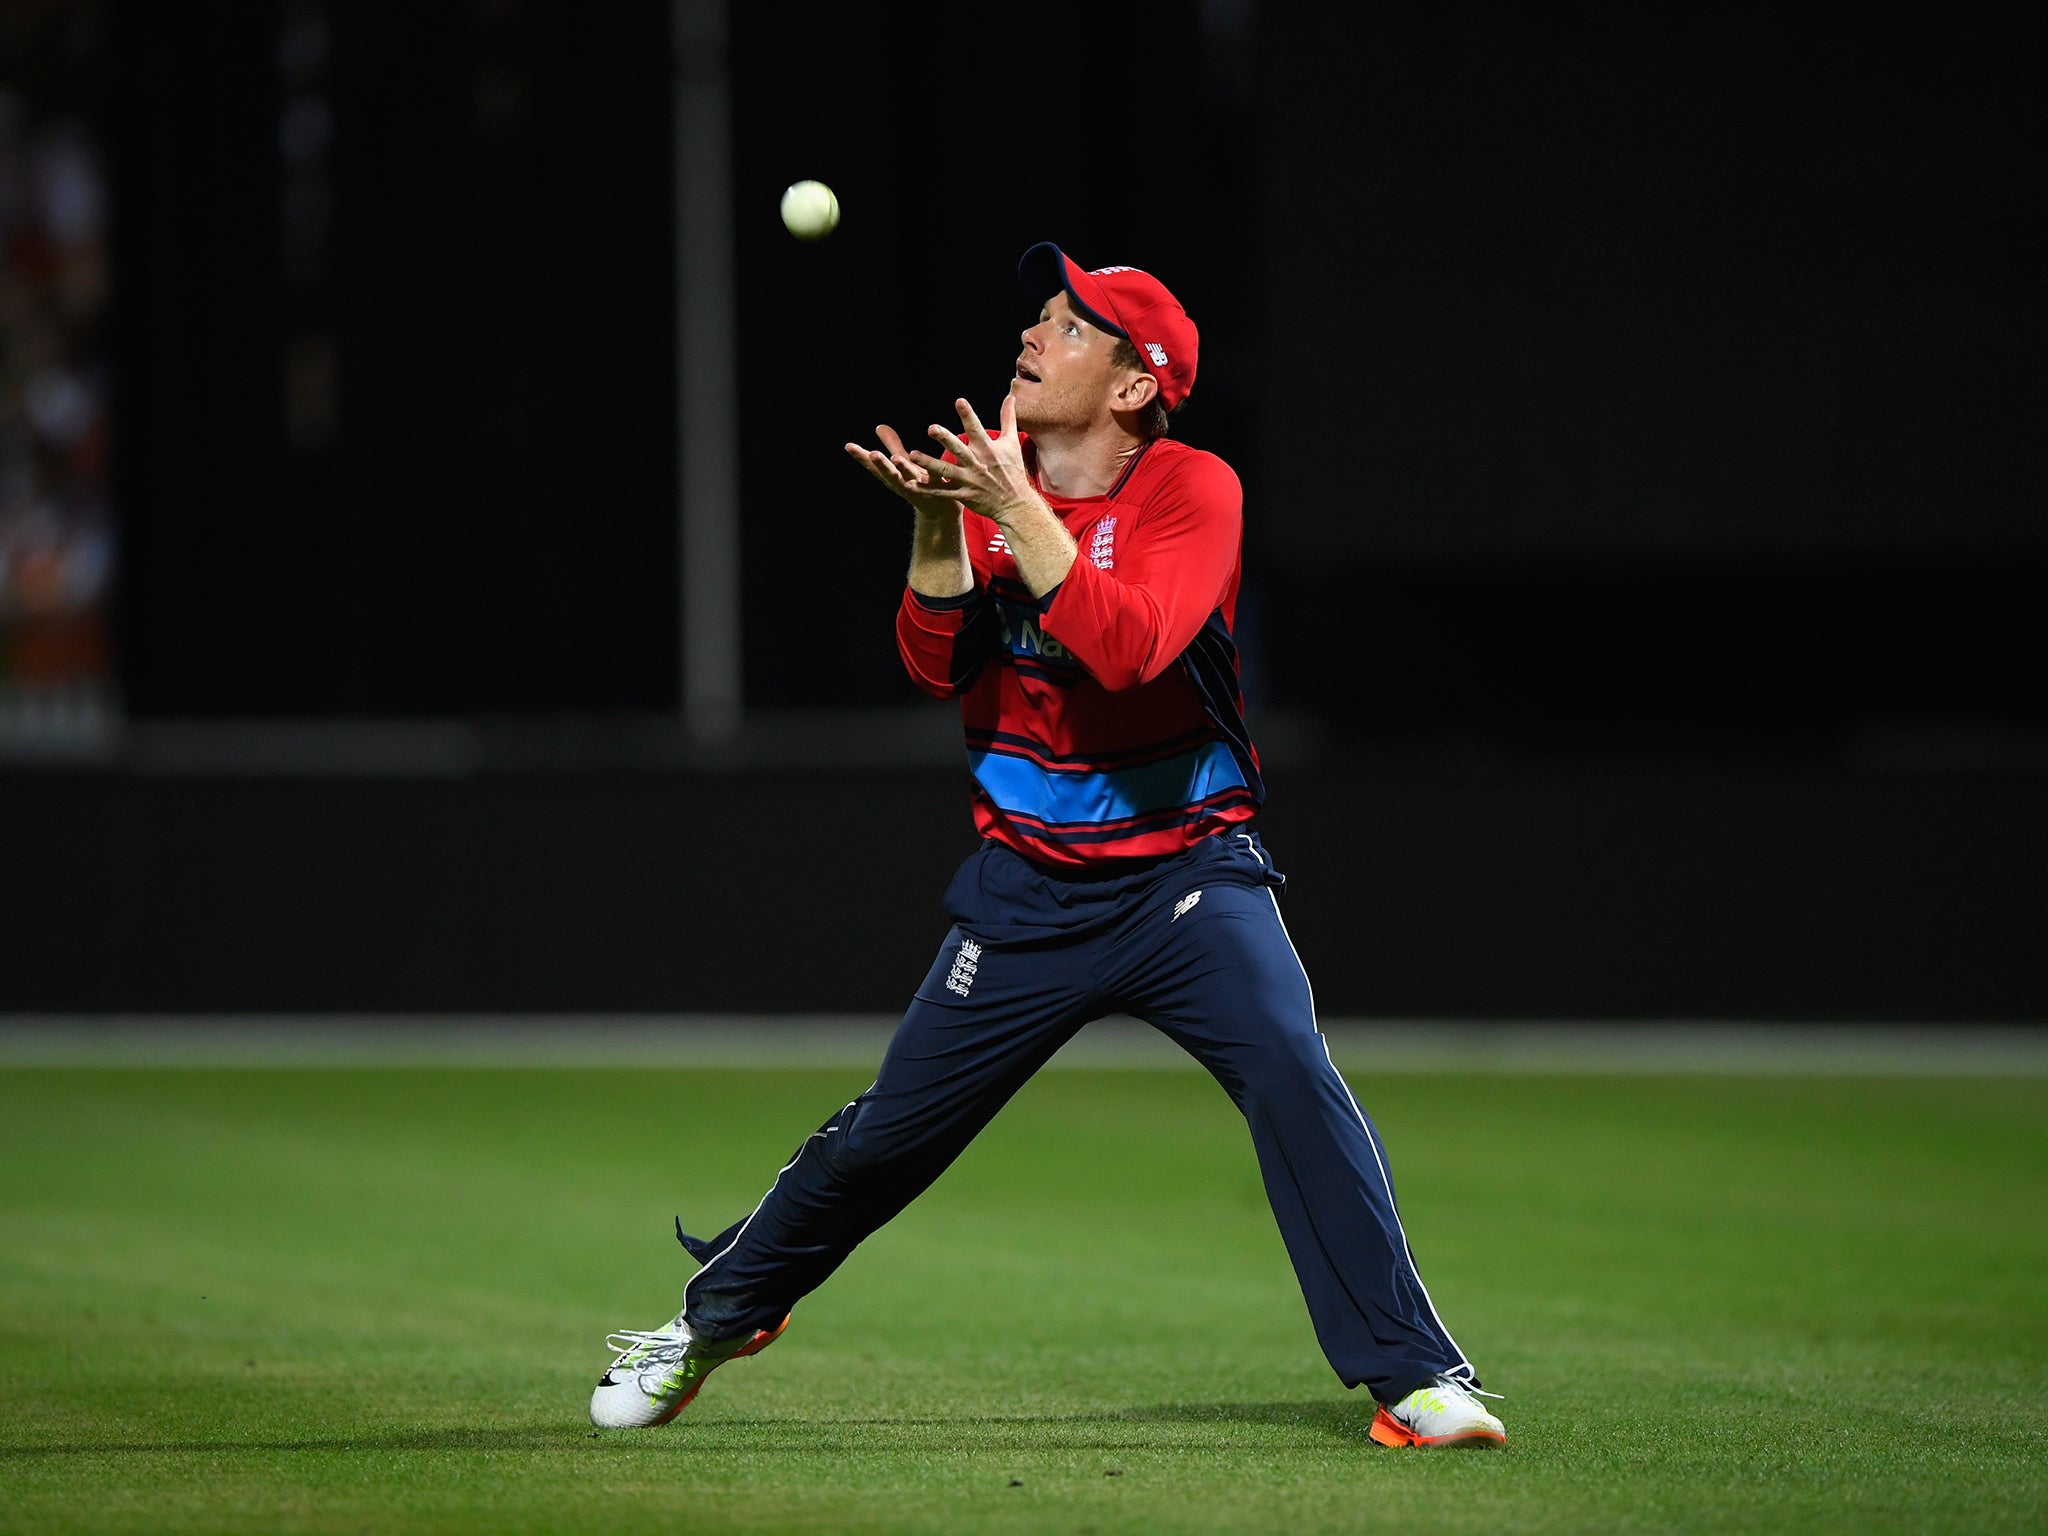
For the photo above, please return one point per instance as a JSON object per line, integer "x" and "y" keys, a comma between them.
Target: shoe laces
{"x": 659, "y": 1346}
{"x": 1459, "y": 1379}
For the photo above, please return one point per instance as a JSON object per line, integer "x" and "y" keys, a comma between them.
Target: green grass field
{"x": 280, "y": 1300}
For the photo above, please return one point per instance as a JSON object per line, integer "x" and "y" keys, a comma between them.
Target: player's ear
{"x": 1137, "y": 391}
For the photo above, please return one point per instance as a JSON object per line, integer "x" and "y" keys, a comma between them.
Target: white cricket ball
{"x": 810, "y": 209}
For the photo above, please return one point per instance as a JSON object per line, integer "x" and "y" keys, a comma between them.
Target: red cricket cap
{"x": 1124, "y": 302}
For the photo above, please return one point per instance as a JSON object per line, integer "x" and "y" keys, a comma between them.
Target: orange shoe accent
{"x": 763, "y": 1339}
{"x": 1388, "y": 1430}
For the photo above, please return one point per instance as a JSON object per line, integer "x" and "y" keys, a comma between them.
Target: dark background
{"x": 1637, "y": 413}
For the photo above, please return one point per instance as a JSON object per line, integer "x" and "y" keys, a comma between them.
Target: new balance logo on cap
{"x": 1157, "y": 353}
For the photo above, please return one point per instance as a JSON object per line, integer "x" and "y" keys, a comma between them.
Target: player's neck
{"x": 1085, "y": 463}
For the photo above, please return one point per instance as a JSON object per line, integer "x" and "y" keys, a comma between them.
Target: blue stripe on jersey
{"x": 1206, "y": 812}
{"x": 1020, "y": 786}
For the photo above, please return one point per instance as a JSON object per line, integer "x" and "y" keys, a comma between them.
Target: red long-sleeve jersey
{"x": 1104, "y": 721}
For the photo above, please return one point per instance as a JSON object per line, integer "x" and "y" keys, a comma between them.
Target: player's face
{"x": 1065, "y": 374}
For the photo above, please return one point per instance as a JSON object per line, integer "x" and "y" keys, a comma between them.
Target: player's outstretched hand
{"x": 892, "y": 465}
{"x": 986, "y": 471}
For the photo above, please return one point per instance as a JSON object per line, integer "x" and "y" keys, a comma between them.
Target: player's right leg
{"x": 983, "y": 1022}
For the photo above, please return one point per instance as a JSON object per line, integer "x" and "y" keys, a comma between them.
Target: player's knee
{"x": 1292, "y": 1064}
{"x": 860, "y": 1147}
{"x": 850, "y": 1158}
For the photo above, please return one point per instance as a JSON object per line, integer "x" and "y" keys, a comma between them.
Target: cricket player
{"x": 1073, "y": 579}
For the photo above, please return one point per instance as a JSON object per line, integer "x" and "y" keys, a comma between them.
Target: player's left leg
{"x": 1219, "y": 975}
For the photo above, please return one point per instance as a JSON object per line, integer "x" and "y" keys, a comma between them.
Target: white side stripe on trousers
{"x": 1364, "y": 1125}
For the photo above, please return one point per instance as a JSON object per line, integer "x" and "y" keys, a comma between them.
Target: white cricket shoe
{"x": 1443, "y": 1411}
{"x": 656, "y": 1374}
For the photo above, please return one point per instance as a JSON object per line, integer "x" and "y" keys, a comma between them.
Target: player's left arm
{"x": 1128, "y": 622}
{"x": 986, "y": 469}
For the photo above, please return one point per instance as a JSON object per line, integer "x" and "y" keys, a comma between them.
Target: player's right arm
{"x": 939, "y": 566}
{"x": 945, "y": 624}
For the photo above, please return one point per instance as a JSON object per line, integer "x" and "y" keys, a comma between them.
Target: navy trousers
{"x": 1195, "y": 946}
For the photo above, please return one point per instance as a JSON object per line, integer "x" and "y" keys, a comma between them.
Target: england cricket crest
{"x": 1102, "y": 545}
{"x": 965, "y": 964}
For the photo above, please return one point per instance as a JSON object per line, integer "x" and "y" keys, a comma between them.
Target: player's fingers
{"x": 970, "y": 423}
{"x": 889, "y": 439}
{"x": 876, "y": 465}
{"x": 904, "y": 460}
{"x": 950, "y": 439}
{"x": 898, "y": 476}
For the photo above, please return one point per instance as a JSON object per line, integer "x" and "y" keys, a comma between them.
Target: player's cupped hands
{"x": 975, "y": 468}
{"x": 892, "y": 465}
{"x": 987, "y": 472}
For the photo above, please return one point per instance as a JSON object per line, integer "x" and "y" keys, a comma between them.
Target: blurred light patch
{"x": 58, "y": 545}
